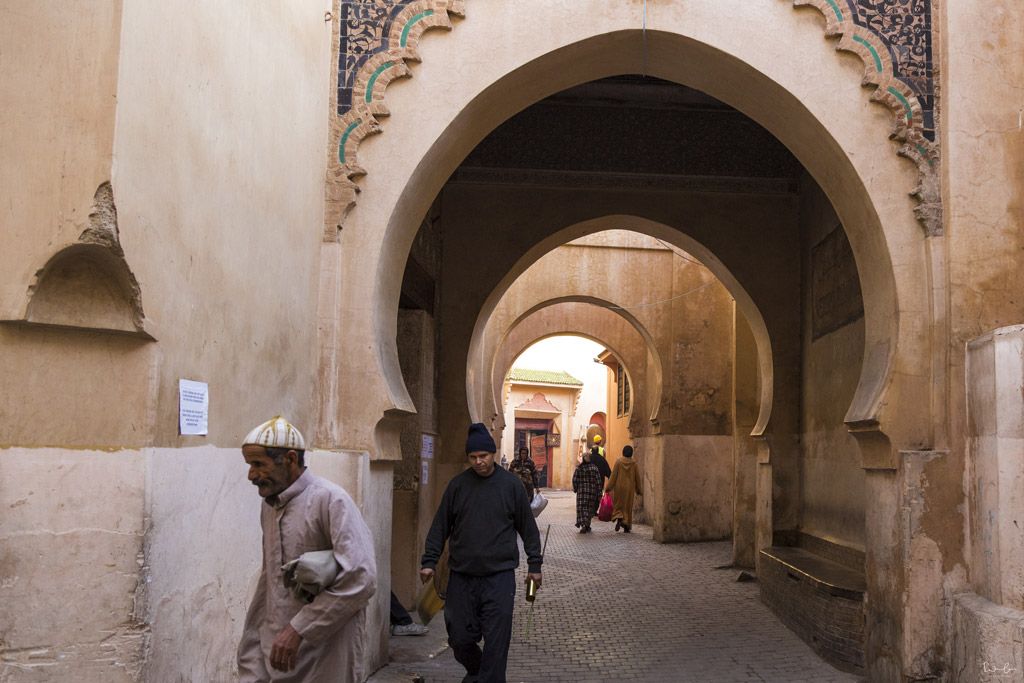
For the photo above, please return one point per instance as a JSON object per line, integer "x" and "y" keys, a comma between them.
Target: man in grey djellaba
{"x": 291, "y": 635}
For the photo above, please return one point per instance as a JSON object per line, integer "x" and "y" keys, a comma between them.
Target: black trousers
{"x": 481, "y": 607}
{"x": 399, "y": 615}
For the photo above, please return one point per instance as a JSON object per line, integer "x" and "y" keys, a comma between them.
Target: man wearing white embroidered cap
{"x": 289, "y": 637}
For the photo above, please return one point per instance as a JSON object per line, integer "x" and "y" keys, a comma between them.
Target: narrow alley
{"x": 617, "y": 607}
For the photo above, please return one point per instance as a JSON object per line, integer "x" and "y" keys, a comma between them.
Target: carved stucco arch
{"x": 653, "y": 373}
{"x": 896, "y": 42}
{"x": 862, "y": 184}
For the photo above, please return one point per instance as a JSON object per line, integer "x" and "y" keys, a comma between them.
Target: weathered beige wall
{"x": 746, "y": 394}
{"x": 983, "y": 168}
{"x": 987, "y": 622}
{"x": 687, "y": 486}
{"x": 72, "y": 536}
{"x": 995, "y": 446}
{"x": 202, "y": 560}
{"x": 619, "y": 431}
{"x": 220, "y": 200}
{"x": 59, "y": 86}
{"x": 411, "y": 522}
{"x": 831, "y": 474}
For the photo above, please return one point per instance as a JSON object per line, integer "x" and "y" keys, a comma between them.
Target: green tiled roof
{"x": 543, "y": 376}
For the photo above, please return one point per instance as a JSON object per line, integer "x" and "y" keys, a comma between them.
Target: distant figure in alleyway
{"x": 307, "y": 624}
{"x": 597, "y": 457}
{"x": 480, "y": 514}
{"x": 624, "y": 484}
{"x": 523, "y": 467}
{"x": 586, "y": 484}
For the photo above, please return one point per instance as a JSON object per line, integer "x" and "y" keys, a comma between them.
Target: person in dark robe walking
{"x": 597, "y": 457}
{"x": 586, "y": 484}
{"x": 624, "y": 484}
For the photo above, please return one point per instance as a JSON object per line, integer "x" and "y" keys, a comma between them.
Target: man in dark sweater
{"x": 480, "y": 514}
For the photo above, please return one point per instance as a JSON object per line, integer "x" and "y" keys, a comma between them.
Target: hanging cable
{"x": 663, "y": 301}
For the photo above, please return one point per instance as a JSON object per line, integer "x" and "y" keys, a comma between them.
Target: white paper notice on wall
{"x": 424, "y": 473}
{"x": 193, "y": 407}
{"x": 427, "y": 449}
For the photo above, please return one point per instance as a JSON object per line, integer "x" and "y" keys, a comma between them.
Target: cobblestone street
{"x": 617, "y": 607}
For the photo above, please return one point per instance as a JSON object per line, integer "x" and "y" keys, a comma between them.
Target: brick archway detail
{"x": 375, "y": 41}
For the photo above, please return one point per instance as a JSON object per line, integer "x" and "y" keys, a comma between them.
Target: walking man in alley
{"x": 306, "y": 623}
{"x": 523, "y": 467}
{"x": 481, "y": 512}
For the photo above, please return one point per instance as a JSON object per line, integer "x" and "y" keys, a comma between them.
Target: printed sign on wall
{"x": 193, "y": 407}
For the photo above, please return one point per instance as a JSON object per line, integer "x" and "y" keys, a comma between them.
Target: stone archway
{"x": 686, "y": 290}
{"x": 591, "y": 320}
{"x": 879, "y": 217}
{"x": 829, "y": 127}
{"x": 540, "y": 327}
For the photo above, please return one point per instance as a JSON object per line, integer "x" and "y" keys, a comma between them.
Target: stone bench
{"x": 818, "y": 598}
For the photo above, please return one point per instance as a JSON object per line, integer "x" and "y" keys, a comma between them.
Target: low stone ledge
{"x": 988, "y": 640}
{"x": 820, "y": 600}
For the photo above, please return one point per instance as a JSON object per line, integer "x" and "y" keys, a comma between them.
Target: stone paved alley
{"x": 618, "y": 607}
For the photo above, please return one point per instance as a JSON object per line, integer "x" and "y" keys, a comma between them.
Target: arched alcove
{"x": 86, "y": 286}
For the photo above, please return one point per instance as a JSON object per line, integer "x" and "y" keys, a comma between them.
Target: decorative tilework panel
{"x": 365, "y": 31}
{"x": 905, "y": 27}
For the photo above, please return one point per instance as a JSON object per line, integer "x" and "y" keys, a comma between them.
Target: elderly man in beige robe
{"x": 287, "y": 637}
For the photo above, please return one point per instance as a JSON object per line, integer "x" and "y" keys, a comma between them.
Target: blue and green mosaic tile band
{"x": 905, "y": 28}
{"x": 365, "y": 31}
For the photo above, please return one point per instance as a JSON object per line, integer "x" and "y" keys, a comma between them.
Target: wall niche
{"x": 88, "y": 285}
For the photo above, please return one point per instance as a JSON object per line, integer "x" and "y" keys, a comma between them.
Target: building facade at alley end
{"x": 796, "y": 227}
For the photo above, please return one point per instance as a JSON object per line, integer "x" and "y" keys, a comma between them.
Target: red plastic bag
{"x": 604, "y": 511}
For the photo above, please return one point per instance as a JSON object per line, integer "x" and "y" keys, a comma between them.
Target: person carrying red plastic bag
{"x": 604, "y": 511}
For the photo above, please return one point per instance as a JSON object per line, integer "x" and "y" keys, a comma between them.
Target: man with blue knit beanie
{"x": 480, "y": 514}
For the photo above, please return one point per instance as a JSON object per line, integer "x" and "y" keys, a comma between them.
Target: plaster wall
{"x": 831, "y": 473}
{"x": 170, "y": 561}
{"x": 745, "y": 387}
{"x": 687, "y": 486}
{"x": 995, "y": 367}
{"x": 198, "y": 591}
{"x": 70, "y": 568}
{"x": 220, "y": 201}
{"x": 619, "y": 431}
{"x": 983, "y": 169}
{"x": 987, "y": 640}
{"x": 983, "y": 164}
{"x": 410, "y": 521}
{"x": 199, "y": 165}
{"x": 58, "y": 83}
